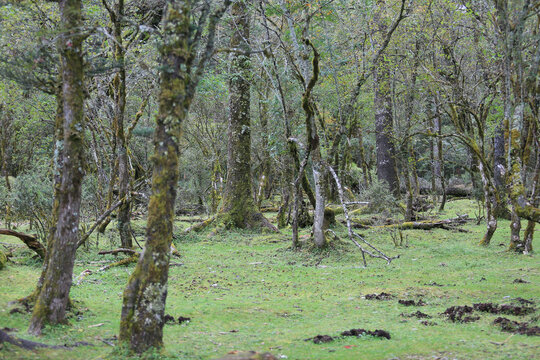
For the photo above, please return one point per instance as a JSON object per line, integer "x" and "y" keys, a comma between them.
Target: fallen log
{"x": 447, "y": 224}
{"x": 30, "y": 240}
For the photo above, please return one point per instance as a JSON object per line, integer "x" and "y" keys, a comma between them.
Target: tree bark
{"x": 124, "y": 211}
{"x": 143, "y": 307}
{"x": 144, "y": 299}
{"x": 238, "y": 208}
{"x": 384, "y": 128}
{"x": 238, "y": 201}
{"x": 53, "y": 298}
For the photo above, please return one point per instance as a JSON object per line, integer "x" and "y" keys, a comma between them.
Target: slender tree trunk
{"x": 119, "y": 82}
{"x": 491, "y": 219}
{"x": 53, "y": 298}
{"x": 264, "y": 178}
{"x": 438, "y": 164}
{"x": 144, "y": 299}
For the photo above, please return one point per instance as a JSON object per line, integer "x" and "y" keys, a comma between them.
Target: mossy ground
{"x": 274, "y": 298}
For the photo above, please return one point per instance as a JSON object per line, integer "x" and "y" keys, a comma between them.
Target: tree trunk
{"x": 53, "y": 298}
{"x": 238, "y": 201}
{"x": 238, "y": 206}
{"x": 119, "y": 82}
{"x": 384, "y": 128}
{"x": 491, "y": 219}
{"x": 144, "y": 298}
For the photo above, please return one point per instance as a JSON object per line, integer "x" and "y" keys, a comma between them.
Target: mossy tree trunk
{"x": 53, "y": 297}
{"x": 143, "y": 308}
{"x": 119, "y": 85}
{"x": 145, "y": 294}
{"x": 384, "y": 128}
{"x": 238, "y": 208}
{"x": 382, "y": 105}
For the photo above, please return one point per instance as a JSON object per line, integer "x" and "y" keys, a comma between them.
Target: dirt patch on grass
{"x": 520, "y": 281}
{"x": 428, "y": 323}
{"x": 412, "y": 302}
{"x": 361, "y": 332}
{"x": 506, "y": 309}
{"x": 516, "y": 327}
{"x": 170, "y": 320}
{"x": 418, "y": 315}
{"x": 523, "y": 301}
{"x": 382, "y": 296}
{"x": 460, "y": 314}
{"x": 320, "y": 339}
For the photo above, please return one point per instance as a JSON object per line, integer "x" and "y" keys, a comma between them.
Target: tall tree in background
{"x": 238, "y": 199}
{"x": 238, "y": 207}
{"x": 382, "y": 104}
{"x": 145, "y": 295}
{"x": 53, "y": 297}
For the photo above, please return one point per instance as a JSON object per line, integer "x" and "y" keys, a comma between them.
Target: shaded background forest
{"x": 416, "y": 98}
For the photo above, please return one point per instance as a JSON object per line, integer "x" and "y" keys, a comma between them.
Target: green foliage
{"x": 380, "y": 198}
{"x": 31, "y": 199}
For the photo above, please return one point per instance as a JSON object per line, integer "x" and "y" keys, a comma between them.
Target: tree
{"x": 238, "y": 207}
{"x": 144, "y": 299}
{"x": 53, "y": 297}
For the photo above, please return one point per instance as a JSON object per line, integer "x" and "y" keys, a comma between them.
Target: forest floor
{"x": 245, "y": 291}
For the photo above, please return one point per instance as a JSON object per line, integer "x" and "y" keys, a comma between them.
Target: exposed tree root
{"x": 256, "y": 220}
{"x": 30, "y": 240}
{"x": 31, "y": 345}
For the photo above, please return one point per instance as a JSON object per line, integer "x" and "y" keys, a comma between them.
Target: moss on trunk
{"x": 53, "y": 298}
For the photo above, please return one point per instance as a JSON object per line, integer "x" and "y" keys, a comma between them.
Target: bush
{"x": 381, "y": 199}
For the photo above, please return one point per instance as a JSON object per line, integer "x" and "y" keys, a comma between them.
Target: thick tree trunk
{"x": 144, "y": 299}
{"x": 53, "y": 298}
{"x": 239, "y": 209}
{"x": 238, "y": 201}
{"x": 384, "y": 128}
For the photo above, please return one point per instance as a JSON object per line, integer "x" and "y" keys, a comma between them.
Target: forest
{"x": 269, "y": 179}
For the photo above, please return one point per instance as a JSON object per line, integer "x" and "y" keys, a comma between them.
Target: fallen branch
{"x": 30, "y": 240}
{"x": 199, "y": 226}
{"x": 352, "y": 234}
{"x": 122, "y": 262}
{"x": 118, "y": 251}
{"x": 82, "y": 275}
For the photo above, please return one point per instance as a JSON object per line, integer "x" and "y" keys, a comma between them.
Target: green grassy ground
{"x": 246, "y": 291}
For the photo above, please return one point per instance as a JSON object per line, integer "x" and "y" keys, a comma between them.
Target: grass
{"x": 246, "y": 291}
